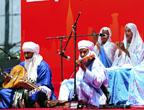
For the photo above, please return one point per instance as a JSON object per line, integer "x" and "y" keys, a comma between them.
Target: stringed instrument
{"x": 86, "y": 59}
{"x": 17, "y": 79}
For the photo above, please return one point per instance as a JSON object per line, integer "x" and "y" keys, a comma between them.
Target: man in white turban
{"x": 37, "y": 72}
{"x": 105, "y": 49}
{"x": 89, "y": 78}
{"x": 130, "y": 51}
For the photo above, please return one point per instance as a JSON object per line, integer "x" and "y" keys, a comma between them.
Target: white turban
{"x": 30, "y": 47}
{"x": 31, "y": 65}
{"x": 85, "y": 44}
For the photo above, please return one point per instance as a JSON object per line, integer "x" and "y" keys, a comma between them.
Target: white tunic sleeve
{"x": 96, "y": 76}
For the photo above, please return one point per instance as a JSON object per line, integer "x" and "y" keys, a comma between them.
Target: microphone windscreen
{"x": 102, "y": 35}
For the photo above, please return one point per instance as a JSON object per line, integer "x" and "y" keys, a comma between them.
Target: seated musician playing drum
{"x": 89, "y": 78}
{"x": 36, "y": 86}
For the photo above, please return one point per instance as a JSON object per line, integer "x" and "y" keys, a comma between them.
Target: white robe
{"x": 109, "y": 48}
{"x": 135, "y": 49}
{"x": 88, "y": 85}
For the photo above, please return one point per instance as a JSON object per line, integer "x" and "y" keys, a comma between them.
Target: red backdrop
{"x": 44, "y": 19}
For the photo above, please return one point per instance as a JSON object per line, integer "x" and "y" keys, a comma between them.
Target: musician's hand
{"x": 7, "y": 78}
{"x": 98, "y": 46}
{"x": 46, "y": 90}
{"x": 120, "y": 53}
{"x": 85, "y": 61}
{"x": 121, "y": 46}
{"x": 32, "y": 92}
{"x": 127, "y": 52}
{"x": 83, "y": 67}
{"x": 81, "y": 64}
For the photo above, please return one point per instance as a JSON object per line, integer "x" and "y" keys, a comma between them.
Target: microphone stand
{"x": 74, "y": 29}
{"x": 60, "y": 52}
{"x": 61, "y": 59}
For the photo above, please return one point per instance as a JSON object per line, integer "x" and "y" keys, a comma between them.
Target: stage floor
{"x": 131, "y": 108}
{"x": 71, "y": 106}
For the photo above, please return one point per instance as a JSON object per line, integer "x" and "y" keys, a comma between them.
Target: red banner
{"x": 45, "y": 22}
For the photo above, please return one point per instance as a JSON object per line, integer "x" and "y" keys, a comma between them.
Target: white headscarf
{"x": 135, "y": 49}
{"x": 137, "y": 42}
{"x": 32, "y": 64}
{"x": 109, "y": 46}
{"x": 105, "y": 29}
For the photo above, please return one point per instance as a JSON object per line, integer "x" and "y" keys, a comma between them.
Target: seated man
{"x": 89, "y": 78}
{"x": 38, "y": 73}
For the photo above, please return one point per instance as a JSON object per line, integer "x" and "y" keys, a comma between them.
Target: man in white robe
{"x": 130, "y": 51}
{"x": 89, "y": 78}
{"x": 105, "y": 49}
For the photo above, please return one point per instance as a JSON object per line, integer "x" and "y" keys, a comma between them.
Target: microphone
{"x": 63, "y": 55}
{"x": 103, "y": 35}
{"x": 100, "y": 34}
{"x": 13, "y": 57}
